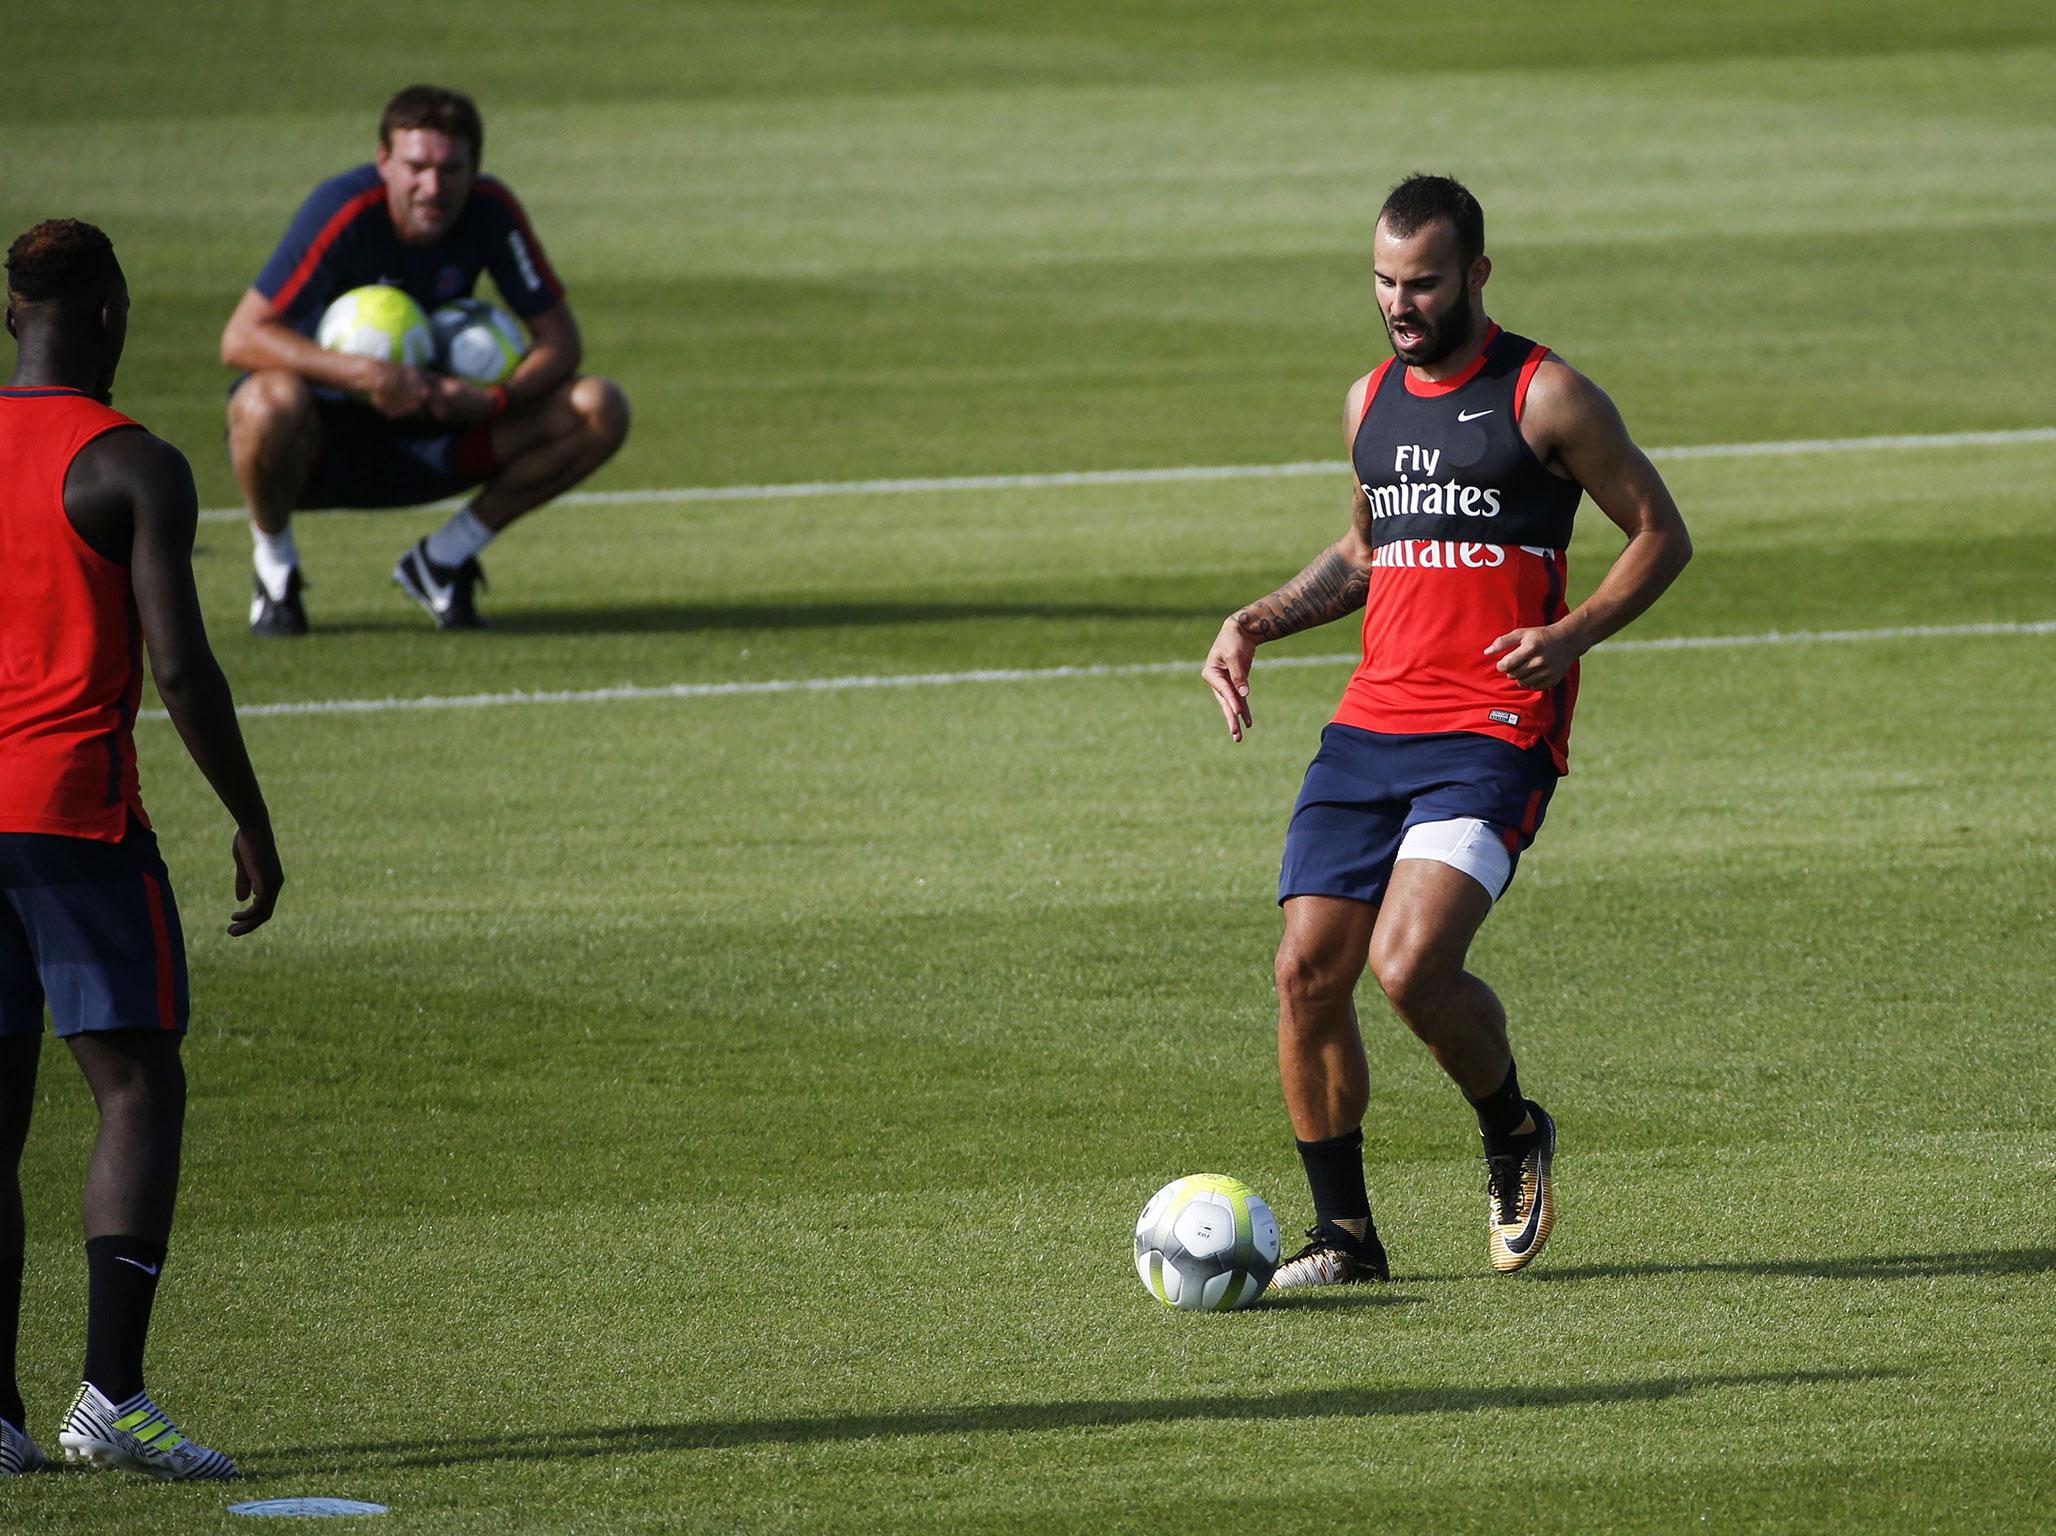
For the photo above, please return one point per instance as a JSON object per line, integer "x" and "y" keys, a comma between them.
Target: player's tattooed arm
{"x": 1336, "y": 583}
{"x": 1326, "y": 589}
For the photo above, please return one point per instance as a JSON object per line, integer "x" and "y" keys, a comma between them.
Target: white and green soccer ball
{"x": 1206, "y": 1243}
{"x": 477, "y": 341}
{"x": 381, "y": 322}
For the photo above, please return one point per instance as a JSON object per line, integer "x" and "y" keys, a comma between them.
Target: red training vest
{"x": 71, "y": 669}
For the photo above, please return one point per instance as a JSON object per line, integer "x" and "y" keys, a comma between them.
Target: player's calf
{"x": 274, "y": 439}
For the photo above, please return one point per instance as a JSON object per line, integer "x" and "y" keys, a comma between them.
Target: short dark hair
{"x": 437, "y": 107}
{"x": 1421, "y": 199}
{"x": 63, "y": 261}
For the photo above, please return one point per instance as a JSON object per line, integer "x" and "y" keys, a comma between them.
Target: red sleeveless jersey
{"x": 1468, "y": 533}
{"x": 70, "y": 646}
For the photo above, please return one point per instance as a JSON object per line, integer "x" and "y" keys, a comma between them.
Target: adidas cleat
{"x": 18, "y": 1453}
{"x": 136, "y": 1435}
{"x": 443, "y": 591}
{"x": 1520, "y": 1204}
{"x": 275, "y": 618}
{"x": 1333, "y": 1257}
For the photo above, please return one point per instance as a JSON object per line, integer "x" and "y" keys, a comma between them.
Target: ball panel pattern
{"x": 1206, "y": 1243}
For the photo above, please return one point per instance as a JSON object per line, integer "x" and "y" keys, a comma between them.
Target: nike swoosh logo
{"x": 148, "y": 1269}
{"x": 1526, "y": 1240}
{"x": 439, "y": 593}
{"x": 1471, "y": 415}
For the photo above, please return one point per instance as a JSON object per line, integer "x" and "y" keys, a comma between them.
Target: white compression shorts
{"x": 1468, "y": 844}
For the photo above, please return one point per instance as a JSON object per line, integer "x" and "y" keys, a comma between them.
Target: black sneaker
{"x": 1333, "y": 1257}
{"x": 1520, "y": 1201}
{"x": 281, "y": 616}
{"x": 444, "y": 591}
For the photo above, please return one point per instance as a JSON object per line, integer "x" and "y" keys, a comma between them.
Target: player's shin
{"x": 17, "y": 1096}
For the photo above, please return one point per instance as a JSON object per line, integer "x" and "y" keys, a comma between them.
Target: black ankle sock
{"x": 1335, "y": 1174}
{"x": 121, "y": 1283}
{"x": 1501, "y": 1111}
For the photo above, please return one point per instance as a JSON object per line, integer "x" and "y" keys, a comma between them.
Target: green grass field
{"x": 727, "y": 1112}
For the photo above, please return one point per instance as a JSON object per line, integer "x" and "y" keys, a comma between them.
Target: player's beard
{"x": 1441, "y": 338}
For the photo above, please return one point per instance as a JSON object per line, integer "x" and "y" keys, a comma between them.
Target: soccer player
{"x": 1471, "y": 447}
{"x": 96, "y": 544}
{"x": 311, "y": 428}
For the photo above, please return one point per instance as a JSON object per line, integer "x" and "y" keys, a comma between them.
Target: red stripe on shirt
{"x": 1428, "y": 389}
{"x": 1520, "y": 385}
{"x": 1371, "y": 382}
{"x": 317, "y": 248}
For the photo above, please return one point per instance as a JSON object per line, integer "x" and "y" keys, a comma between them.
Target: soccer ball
{"x": 380, "y": 322}
{"x": 1206, "y": 1243}
{"x": 477, "y": 341}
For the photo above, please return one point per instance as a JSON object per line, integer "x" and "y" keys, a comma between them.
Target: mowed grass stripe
{"x": 1057, "y": 674}
{"x": 1061, "y": 479}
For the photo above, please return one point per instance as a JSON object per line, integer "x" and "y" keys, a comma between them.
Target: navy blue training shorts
{"x": 1364, "y": 789}
{"x": 91, "y": 929}
{"x": 367, "y": 461}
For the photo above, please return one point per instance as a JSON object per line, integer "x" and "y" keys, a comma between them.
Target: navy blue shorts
{"x": 91, "y": 929}
{"x": 1364, "y": 789}
{"x": 367, "y": 461}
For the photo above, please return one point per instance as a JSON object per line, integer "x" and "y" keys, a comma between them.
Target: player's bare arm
{"x": 257, "y": 337}
{"x": 131, "y": 496}
{"x": 1333, "y": 585}
{"x": 555, "y": 351}
{"x": 1577, "y": 432}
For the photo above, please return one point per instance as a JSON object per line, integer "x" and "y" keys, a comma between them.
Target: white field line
{"x": 630, "y": 691}
{"x": 1087, "y": 477}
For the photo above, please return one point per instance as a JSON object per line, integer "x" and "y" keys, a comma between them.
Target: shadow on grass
{"x": 1015, "y": 1418}
{"x": 1340, "y": 1298}
{"x": 1884, "y": 1266}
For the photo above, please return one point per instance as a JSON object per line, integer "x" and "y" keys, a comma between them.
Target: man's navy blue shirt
{"x": 343, "y": 238}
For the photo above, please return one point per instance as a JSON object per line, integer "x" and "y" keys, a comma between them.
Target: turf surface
{"x": 728, "y": 1112}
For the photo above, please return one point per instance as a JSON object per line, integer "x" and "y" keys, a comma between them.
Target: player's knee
{"x": 1411, "y": 980}
{"x": 602, "y": 413}
{"x": 139, "y": 1087}
{"x": 1309, "y": 978}
{"x": 270, "y": 403}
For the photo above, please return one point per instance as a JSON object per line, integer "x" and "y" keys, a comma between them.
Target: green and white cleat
{"x": 18, "y": 1453}
{"x": 136, "y": 1435}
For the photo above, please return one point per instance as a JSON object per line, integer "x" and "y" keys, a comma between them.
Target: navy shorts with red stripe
{"x": 90, "y": 929}
{"x": 367, "y": 461}
{"x": 1364, "y": 789}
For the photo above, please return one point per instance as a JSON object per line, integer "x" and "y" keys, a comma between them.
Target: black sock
{"x": 121, "y": 1282}
{"x": 1501, "y": 1111}
{"x": 1335, "y": 1174}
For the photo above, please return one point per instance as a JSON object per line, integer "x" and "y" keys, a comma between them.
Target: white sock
{"x": 276, "y": 557}
{"x": 459, "y": 539}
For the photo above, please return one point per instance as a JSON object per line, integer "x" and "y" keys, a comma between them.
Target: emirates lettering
{"x": 1437, "y": 555}
{"x": 1419, "y": 498}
